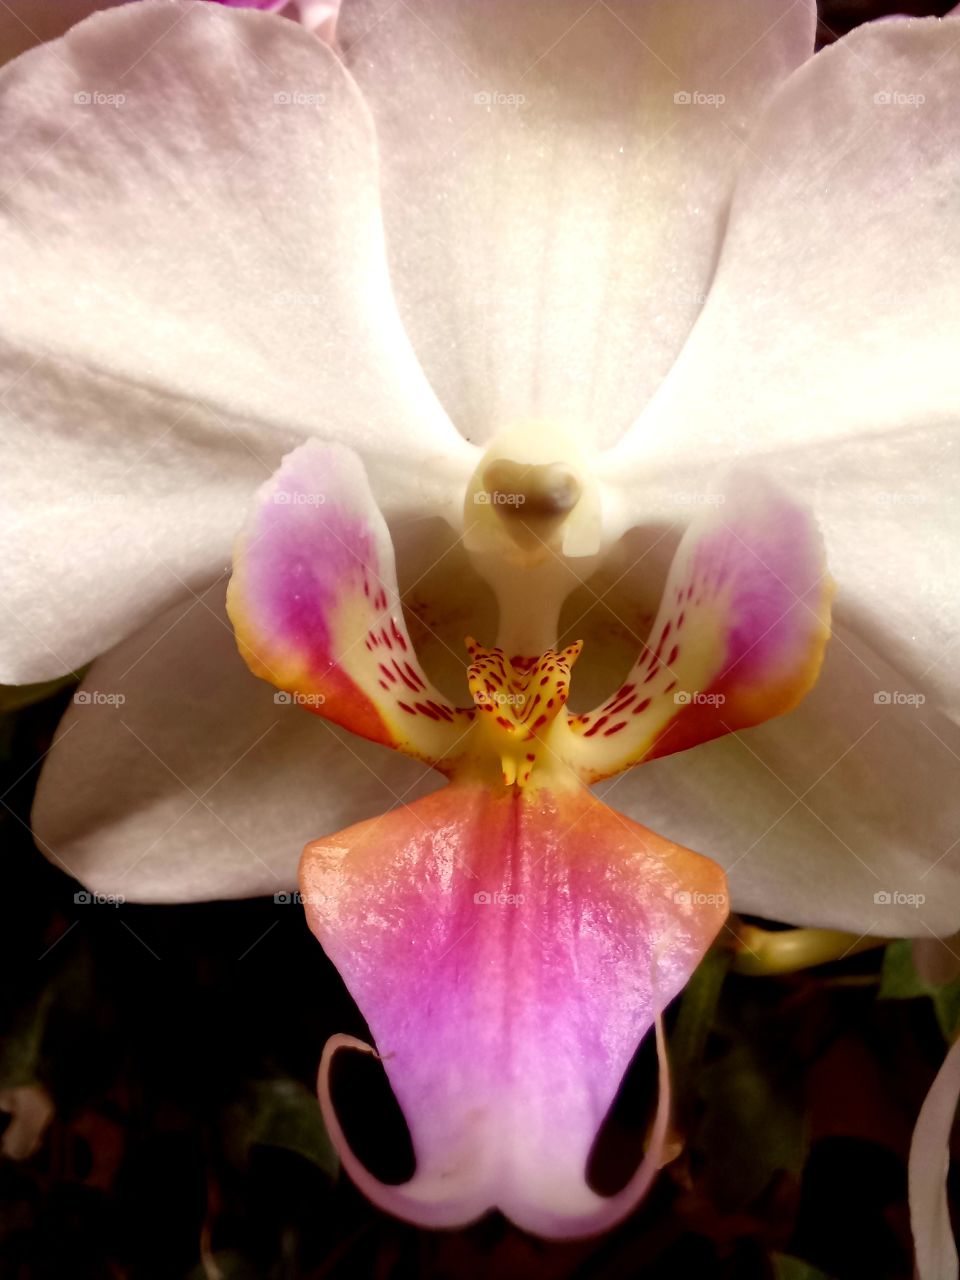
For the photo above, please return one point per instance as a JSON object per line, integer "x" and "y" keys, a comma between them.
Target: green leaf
{"x": 786, "y": 1267}
{"x": 695, "y": 1018}
{"x": 15, "y": 696}
{"x": 230, "y": 1264}
{"x": 753, "y": 1125}
{"x": 279, "y": 1113}
{"x": 899, "y": 980}
{"x": 20, "y": 1045}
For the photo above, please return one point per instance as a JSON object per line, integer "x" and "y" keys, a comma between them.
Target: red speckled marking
{"x": 595, "y": 728}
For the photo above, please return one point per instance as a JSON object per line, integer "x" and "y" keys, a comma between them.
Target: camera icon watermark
{"x": 894, "y": 98}
{"x": 894, "y": 898}
{"x": 297, "y": 498}
{"x": 492, "y": 98}
{"x": 283, "y": 698}
{"x": 694, "y": 898}
{"x": 298, "y": 98}
{"x": 94, "y": 98}
{"x": 497, "y": 898}
{"x": 499, "y": 499}
{"x": 85, "y": 898}
{"x": 97, "y": 698}
{"x": 694, "y": 698}
{"x": 694, "y": 98}
{"x": 897, "y": 698}
{"x": 294, "y": 898}
{"x": 498, "y": 698}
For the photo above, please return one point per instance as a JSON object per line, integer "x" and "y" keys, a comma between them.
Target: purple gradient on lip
{"x": 314, "y": 603}
{"x": 309, "y": 544}
{"x": 506, "y": 1025}
{"x": 769, "y": 554}
{"x": 313, "y": 568}
{"x": 739, "y": 636}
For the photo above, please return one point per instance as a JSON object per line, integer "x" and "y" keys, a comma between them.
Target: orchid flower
{"x": 573, "y": 259}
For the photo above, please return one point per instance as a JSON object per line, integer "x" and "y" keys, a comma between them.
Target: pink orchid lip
{"x": 509, "y": 949}
{"x": 509, "y": 939}
{"x": 454, "y": 1202}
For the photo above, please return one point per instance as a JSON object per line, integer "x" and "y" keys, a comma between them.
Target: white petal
{"x": 827, "y": 346}
{"x": 553, "y": 213}
{"x": 200, "y": 785}
{"x": 815, "y": 814}
{"x": 319, "y": 16}
{"x": 194, "y": 281}
{"x": 115, "y": 498}
{"x": 935, "y": 1249}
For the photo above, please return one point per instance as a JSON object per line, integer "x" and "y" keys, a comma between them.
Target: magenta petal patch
{"x": 739, "y": 636}
{"x": 509, "y": 950}
{"x": 314, "y": 603}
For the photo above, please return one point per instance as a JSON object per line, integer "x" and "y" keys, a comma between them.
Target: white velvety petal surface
{"x": 318, "y": 16}
{"x": 199, "y": 784}
{"x": 935, "y": 1248}
{"x": 193, "y": 281}
{"x": 556, "y": 175}
{"x": 827, "y": 347}
{"x": 841, "y": 814}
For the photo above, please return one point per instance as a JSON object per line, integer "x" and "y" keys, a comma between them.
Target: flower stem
{"x": 761, "y": 952}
